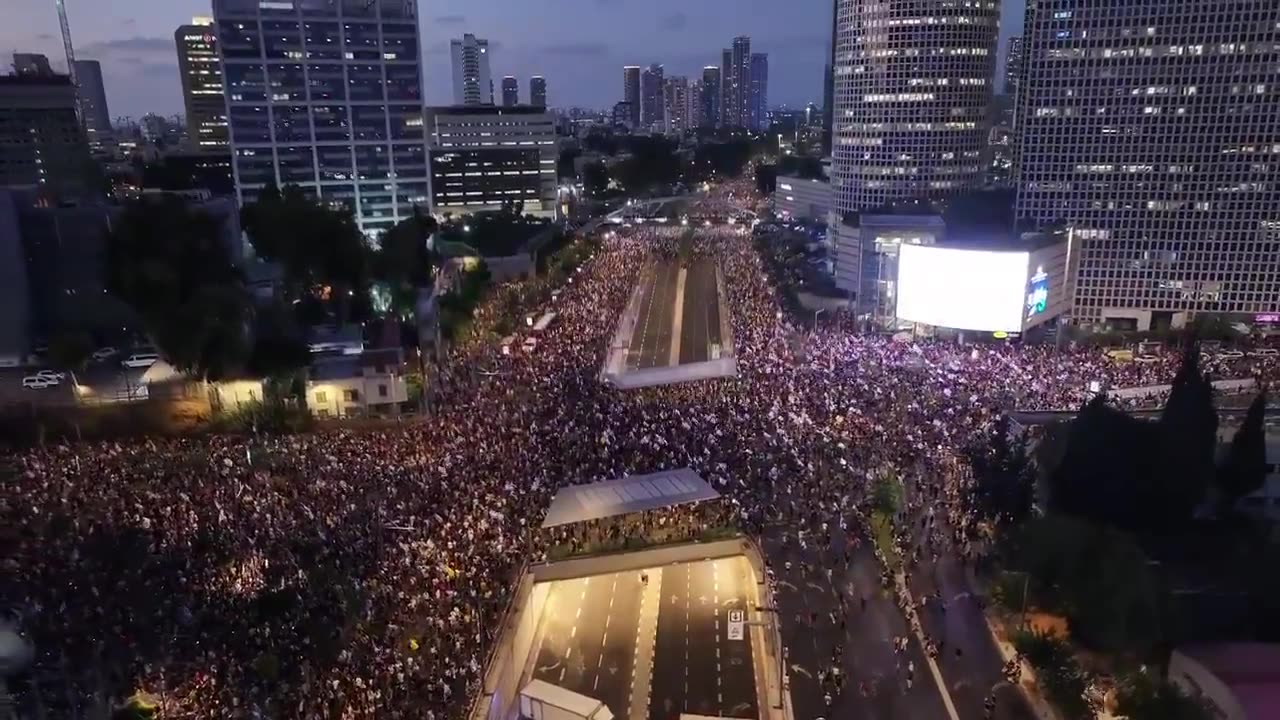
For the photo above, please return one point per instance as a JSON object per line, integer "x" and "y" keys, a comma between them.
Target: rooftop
{"x": 637, "y": 493}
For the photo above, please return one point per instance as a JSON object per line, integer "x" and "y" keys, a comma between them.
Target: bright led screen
{"x": 962, "y": 289}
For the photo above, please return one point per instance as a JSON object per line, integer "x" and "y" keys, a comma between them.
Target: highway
{"x": 651, "y": 343}
{"x": 696, "y": 668}
{"x": 701, "y": 319}
{"x": 589, "y": 637}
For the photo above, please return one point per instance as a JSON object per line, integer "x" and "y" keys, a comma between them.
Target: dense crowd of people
{"x": 361, "y": 574}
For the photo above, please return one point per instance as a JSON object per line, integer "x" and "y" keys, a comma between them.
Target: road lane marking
{"x": 573, "y": 632}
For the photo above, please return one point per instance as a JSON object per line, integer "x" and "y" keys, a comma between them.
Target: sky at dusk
{"x": 580, "y": 46}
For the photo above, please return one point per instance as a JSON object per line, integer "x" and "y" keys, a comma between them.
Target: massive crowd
{"x": 361, "y": 574}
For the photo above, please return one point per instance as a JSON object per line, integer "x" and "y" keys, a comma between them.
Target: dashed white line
{"x": 573, "y": 632}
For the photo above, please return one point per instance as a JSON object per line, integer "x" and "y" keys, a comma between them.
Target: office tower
{"x": 31, "y": 65}
{"x": 484, "y": 157}
{"x": 911, "y": 101}
{"x": 346, "y": 126}
{"x": 203, "y": 94}
{"x": 472, "y": 84}
{"x": 622, "y": 114}
{"x": 651, "y": 100}
{"x": 695, "y": 104}
{"x": 829, "y": 83}
{"x": 631, "y": 92}
{"x": 709, "y": 99}
{"x": 42, "y": 145}
{"x": 759, "y": 100}
{"x": 93, "y": 104}
{"x": 1152, "y": 132}
{"x": 676, "y": 104}
{"x": 538, "y": 91}
{"x": 510, "y": 91}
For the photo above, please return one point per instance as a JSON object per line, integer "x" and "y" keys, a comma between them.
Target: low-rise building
{"x": 485, "y": 157}
{"x": 42, "y": 144}
{"x": 372, "y": 383}
{"x": 800, "y": 198}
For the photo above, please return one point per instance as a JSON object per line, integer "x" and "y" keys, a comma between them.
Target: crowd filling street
{"x": 360, "y": 574}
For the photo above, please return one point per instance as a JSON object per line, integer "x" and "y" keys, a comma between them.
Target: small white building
{"x": 370, "y": 384}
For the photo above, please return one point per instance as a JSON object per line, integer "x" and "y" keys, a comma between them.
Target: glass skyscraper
{"x": 326, "y": 95}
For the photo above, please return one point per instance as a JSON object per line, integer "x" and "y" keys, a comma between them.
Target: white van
{"x": 141, "y": 360}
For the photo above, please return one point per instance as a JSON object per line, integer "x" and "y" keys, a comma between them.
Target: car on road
{"x": 140, "y": 360}
{"x": 104, "y": 353}
{"x": 1265, "y": 352}
{"x": 38, "y": 382}
{"x": 1229, "y": 355}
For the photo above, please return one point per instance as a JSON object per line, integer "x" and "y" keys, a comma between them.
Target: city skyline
{"x": 581, "y": 59}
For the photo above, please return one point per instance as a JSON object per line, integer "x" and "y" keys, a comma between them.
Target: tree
{"x": 320, "y": 249}
{"x": 1189, "y": 440}
{"x": 404, "y": 262}
{"x": 595, "y": 179}
{"x": 766, "y": 178}
{"x": 564, "y": 163}
{"x": 70, "y": 351}
{"x": 279, "y": 348}
{"x": 1005, "y": 478}
{"x": 887, "y": 493}
{"x": 1140, "y": 696}
{"x": 172, "y": 266}
{"x": 1245, "y": 467}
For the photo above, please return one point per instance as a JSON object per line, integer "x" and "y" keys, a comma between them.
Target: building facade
{"x": 623, "y": 112}
{"x": 631, "y": 93}
{"x": 485, "y": 157}
{"x": 726, "y": 87}
{"x": 676, "y": 104}
{"x": 346, "y": 125}
{"x": 1153, "y": 132}
{"x": 1013, "y": 66}
{"x": 710, "y": 98}
{"x": 800, "y": 198}
{"x": 759, "y": 119}
{"x": 736, "y": 81}
{"x": 93, "y": 104}
{"x": 32, "y": 64}
{"x": 203, "y": 92}
{"x": 538, "y": 91}
{"x": 652, "y": 87}
{"x": 912, "y": 95}
{"x": 510, "y": 91}
{"x": 42, "y": 145}
{"x": 472, "y": 83}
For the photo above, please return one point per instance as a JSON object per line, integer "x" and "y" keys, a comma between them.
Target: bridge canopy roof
{"x": 635, "y": 493}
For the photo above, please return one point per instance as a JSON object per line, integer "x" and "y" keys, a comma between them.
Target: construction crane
{"x": 66, "y": 40}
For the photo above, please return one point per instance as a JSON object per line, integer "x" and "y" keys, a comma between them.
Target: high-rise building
{"x": 510, "y": 91}
{"x": 735, "y": 106}
{"x": 485, "y": 157}
{"x": 1013, "y": 66}
{"x": 346, "y": 126}
{"x": 42, "y": 145}
{"x": 93, "y": 104}
{"x": 203, "y": 94}
{"x": 622, "y": 114}
{"x": 829, "y": 83}
{"x": 726, "y": 88}
{"x": 676, "y": 104}
{"x": 759, "y": 98}
{"x": 31, "y": 65}
{"x": 710, "y": 97}
{"x": 472, "y": 83}
{"x": 911, "y": 99}
{"x": 631, "y": 92}
{"x": 1152, "y": 132}
{"x": 538, "y": 91}
{"x": 651, "y": 96}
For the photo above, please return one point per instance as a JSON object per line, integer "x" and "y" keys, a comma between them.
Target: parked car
{"x": 1229, "y": 355}
{"x": 1146, "y": 359}
{"x": 38, "y": 382}
{"x": 53, "y": 375}
{"x": 104, "y": 353}
{"x": 140, "y": 360}
{"x": 1265, "y": 352}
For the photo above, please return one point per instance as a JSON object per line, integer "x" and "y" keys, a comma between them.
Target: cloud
{"x": 131, "y": 45}
{"x": 450, "y": 19}
{"x": 673, "y": 21}
{"x": 577, "y": 49}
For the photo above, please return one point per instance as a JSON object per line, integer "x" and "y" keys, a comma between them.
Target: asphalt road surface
{"x": 590, "y": 635}
{"x": 651, "y": 342}
{"x": 696, "y": 667}
{"x": 700, "y": 326}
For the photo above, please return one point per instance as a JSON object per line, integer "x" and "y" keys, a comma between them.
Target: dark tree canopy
{"x": 1244, "y": 469}
{"x": 171, "y": 265}
{"x": 404, "y": 263}
{"x": 320, "y": 249}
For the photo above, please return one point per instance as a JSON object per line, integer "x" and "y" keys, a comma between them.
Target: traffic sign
{"x": 735, "y": 625}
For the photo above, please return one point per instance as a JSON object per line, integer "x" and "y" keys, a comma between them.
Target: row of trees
{"x": 654, "y": 163}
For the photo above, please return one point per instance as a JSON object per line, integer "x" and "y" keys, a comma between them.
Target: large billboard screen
{"x": 962, "y": 289}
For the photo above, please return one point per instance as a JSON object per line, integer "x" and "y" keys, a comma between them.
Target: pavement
{"x": 651, "y": 342}
{"x": 654, "y": 647}
{"x": 679, "y": 315}
{"x": 701, "y": 326}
